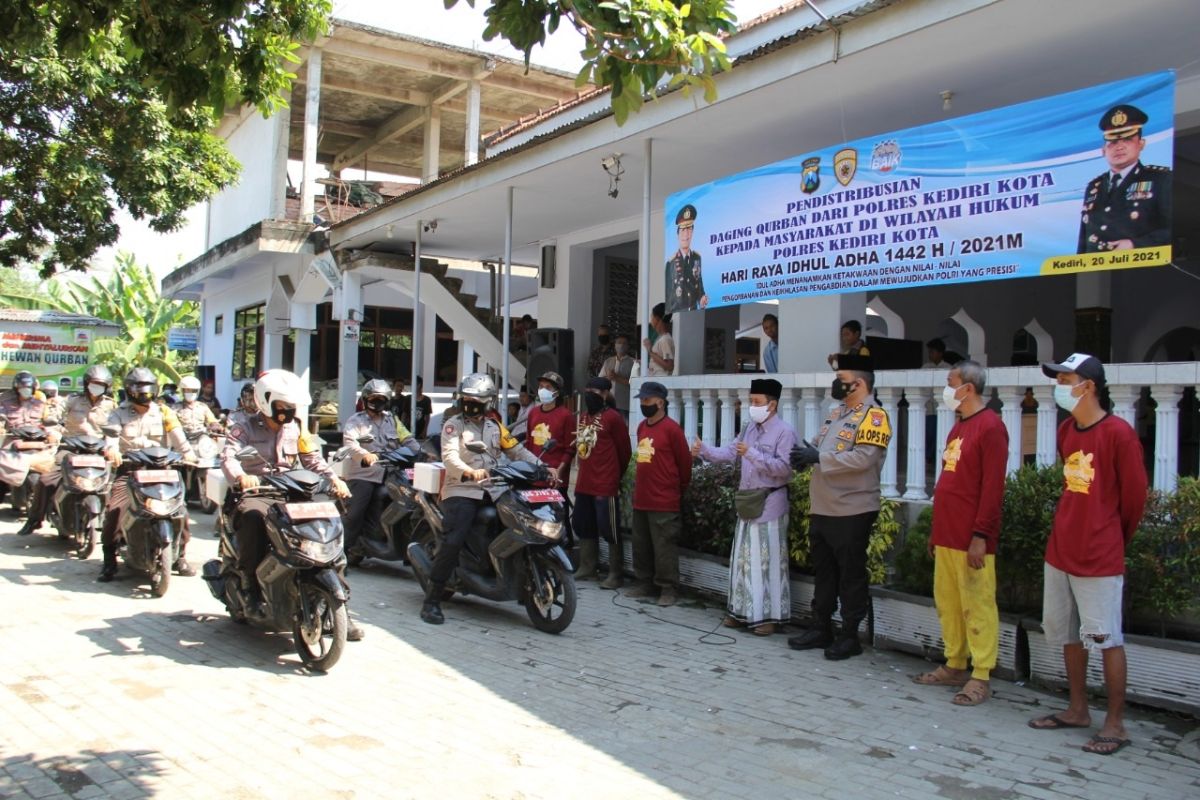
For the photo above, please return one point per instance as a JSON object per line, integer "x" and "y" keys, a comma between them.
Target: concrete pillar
{"x": 945, "y": 421}
{"x": 1124, "y": 402}
{"x": 709, "y": 429}
{"x": 688, "y": 332}
{"x": 312, "y": 110}
{"x": 809, "y": 328}
{"x": 433, "y": 144}
{"x": 1166, "y": 436}
{"x": 728, "y": 398}
{"x": 789, "y": 410}
{"x": 691, "y": 428}
{"x": 348, "y": 300}
{"x": 471, "y": 137}
{"x": 914, "y": 482}
{"x": 889, "y": 400}
{"x": 811, "y": 403}
{"x": 1010, "y": 413}
{"x": 675, "y": 405}
{"x": 1047, "y": 425}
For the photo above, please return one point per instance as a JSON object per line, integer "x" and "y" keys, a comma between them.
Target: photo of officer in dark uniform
{"x": 685, "y": 281}
{"x": 1129, "y": 205}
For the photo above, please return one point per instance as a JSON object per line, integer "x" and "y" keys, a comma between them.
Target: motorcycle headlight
{"x": 88, "y": 484}
{"x": 544, "y": 526}
{"x": 323, "y": 552}
{"x": 163, "y": 508}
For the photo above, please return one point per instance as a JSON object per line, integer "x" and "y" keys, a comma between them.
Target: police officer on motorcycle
{"x": 462, "y": 494}
{"x": 194, "y": 416}
{"x": 20, "y": 406}
{"x": 245, "y": 406}
{"x": 364, "y": 476}
{"x": 143, "y": 423}
{"x": 275, "y": 434}
{"x": 83, "y": 415}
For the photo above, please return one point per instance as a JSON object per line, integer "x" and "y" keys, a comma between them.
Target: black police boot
{"x": 431, "y": 609}
{"x": 37, "y": 511}
{"x": 182, "y": 567}
{"x": 109, "y": 570}
{"x": 819, "y": 635}
{"x": 847, "y": 644}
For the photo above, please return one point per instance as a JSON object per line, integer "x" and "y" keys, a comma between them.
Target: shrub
{"x": 1030, "y": 497}
{"x": 913, "y": 565}
{"x": 1162, "y": 563}
{"x": 709, "y": 516}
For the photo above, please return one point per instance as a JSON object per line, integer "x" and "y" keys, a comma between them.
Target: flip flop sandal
{"x": 940, "y": 677}
{"x": 973, "y": 693}
{"x": 1091, "y": 747}
{"x": 1052, "y": 722}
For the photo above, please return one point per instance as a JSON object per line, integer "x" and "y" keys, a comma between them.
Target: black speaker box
{"x": 551, "y": 350}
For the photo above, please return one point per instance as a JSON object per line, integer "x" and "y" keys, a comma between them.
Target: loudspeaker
{"x": 549, "y": 262}
{"x": 551, "y": 350}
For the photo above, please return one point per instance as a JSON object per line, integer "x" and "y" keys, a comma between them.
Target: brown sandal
{"x": 942, "y": 676}
{"x": 732, "y": 622}
{"x": 973, "y": 693}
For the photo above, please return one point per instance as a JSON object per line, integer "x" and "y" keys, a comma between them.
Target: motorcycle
{"x": 77, "y": 508}
{"x": 402, "y": 510}
{"x": 301, "y": 586}
{"x": 513, "y": 551}
{"x": 208, "y": 455}
{"x": 21, "y": 447}
{"x": 152, "y": 525}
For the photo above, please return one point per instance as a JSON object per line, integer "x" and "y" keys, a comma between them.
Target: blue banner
{"x": 1078, "y": 182}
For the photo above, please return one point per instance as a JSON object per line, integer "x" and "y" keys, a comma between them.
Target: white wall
{"x": 256, "y": 144}
{"x": 217, "y": 349}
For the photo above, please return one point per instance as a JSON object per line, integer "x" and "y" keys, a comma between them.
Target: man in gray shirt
{"x": 617, "y": 368}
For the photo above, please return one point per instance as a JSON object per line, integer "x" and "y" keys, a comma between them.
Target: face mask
{"x": 1065, "y": 399}
{"x": 470, "y": 409}
{"x": 189, "y": 396}
{"x": 759, "y": 414}
{"x": 546, "y": 396}
{"x": 839, "y": 390}
{"x": 25, "y": 392}
{"x": 949, "y": 400}
{"x": 594, "y": 402}
{"x": 649, "y": 410}
{"x": 284, "y": 415}
{"x": 95, "y": 389}
{"x": 621, "y": 348}
{"x": 376, "y": 404}
{"x": 604, "y": 339}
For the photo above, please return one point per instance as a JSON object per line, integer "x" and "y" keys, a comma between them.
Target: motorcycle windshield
{"x": 163, "y": 490}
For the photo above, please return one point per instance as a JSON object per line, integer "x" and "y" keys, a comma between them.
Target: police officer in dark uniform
{"x": 1129, "y": 205}
{"x": 685, "y": 281}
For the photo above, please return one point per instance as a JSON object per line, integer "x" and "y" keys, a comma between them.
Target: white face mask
{"x": 25, "y": 392}
{"x": 189, "y": 396}
{"x": 759, "y": 414}
{"x": 1064, "y": 397}
{"x": 95, "y": 389}
{"x": 949, "y": 400}
{"x": 546, "y": 396}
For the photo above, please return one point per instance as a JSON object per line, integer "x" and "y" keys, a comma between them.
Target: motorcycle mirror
{"x": 247, "y": 454}
{"x": 477, "y": 447}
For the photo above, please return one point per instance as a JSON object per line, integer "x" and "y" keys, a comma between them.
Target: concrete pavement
{"x": 106, "y": 692}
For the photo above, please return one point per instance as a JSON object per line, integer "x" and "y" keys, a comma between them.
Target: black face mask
{"x": 283, "y": 416}
{"x": 142, "y": 397}
{"x": 604, "y": 338}
{"x": 594, "y": 402}
{"x": 649, "y": 410}
{"x": 471, "y": 409}
{"x": 376, "y": 404}
{"x": 841, "y": 390}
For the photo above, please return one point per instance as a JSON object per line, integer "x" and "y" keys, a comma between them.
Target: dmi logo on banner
{"x": 1016, "y": 192}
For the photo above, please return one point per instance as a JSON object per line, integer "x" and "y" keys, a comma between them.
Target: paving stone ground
{"x": 106, "y": 692}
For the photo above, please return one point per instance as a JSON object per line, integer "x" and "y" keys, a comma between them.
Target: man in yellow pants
{"x": 966, "y": 524}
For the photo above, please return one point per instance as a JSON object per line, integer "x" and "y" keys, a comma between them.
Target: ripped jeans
{"x": 1077, "y": 609}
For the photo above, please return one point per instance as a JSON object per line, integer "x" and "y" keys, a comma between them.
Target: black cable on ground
{"x": 706, "y": 633}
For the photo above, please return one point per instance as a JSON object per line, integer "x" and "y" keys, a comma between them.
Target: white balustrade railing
{"x": 708, "y": 405}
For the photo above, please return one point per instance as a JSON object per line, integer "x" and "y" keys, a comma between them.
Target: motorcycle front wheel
{"x": 160, "y": 579}
{"x": 320, "y": 628}
{"x": 85, "y": 538}
{"x": 550, "y": 597}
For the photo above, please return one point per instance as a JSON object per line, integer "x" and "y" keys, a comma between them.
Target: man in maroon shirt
{"x": 602, "y": 444}
{"x": 551, "y": 426}
{"x": 664, "y": 470}
{"x": 966, "y": 524}
{"x": 1104, "y": 495}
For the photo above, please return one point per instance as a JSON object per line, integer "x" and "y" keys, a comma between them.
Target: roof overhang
{"x": 258, "y": 244}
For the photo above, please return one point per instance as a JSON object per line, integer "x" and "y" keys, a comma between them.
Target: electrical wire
{"x": 702, "y": 639}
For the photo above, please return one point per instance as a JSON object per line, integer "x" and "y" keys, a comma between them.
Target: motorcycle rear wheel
{"x": 207, "y": 506}
{"x": 320, "y": 636}
{"x": 160, "y": 579}
{"x": 551, "y": 606}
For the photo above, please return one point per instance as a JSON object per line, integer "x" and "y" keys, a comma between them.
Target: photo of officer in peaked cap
{"x": 685, "y": 281}
{"x": 1130, "y": 204}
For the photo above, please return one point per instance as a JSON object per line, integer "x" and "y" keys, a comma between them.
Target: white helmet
{"x": 190, "y": 384}
{"x": 279, "y": 385}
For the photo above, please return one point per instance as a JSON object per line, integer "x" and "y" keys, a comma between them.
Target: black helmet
{"x": 141, "y": 386}
{"x": 98, "y": 373}
{"x": 23, "y": 379}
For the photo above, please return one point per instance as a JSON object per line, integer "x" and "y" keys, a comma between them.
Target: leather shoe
{"x": 29, "y": 527}
{"x": 107, "y": 573}
{"x": 431, "y": 612}
{"x": 182, "y": 567}
{"x": 811, "y": 639}
{"x": 668, "y": 596}
{"x": 844, "y": 648}
{"x": 354, "y": 633}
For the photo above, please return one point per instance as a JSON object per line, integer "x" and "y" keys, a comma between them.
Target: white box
{"x": 429, "y": 476}
{"x": 215, "y": 486}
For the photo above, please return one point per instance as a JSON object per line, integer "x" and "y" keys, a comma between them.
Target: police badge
{"x": 845, "y": 164}
{"x": 810, "y": 176}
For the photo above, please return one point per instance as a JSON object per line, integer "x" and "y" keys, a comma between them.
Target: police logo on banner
{"x": 810, "y": 175}
{"x": 845, "y": 164}
{"x": 885, "y": 156}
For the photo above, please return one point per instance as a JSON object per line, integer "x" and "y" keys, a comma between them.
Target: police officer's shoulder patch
{"x": 236, "y": 432}
{"x": 308, "y": 443}
{"x": 507, "y": 440}
{"x": 170, "y": 421}
{"x": 450, "y": 428}
{"x": 875, "y": 429}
